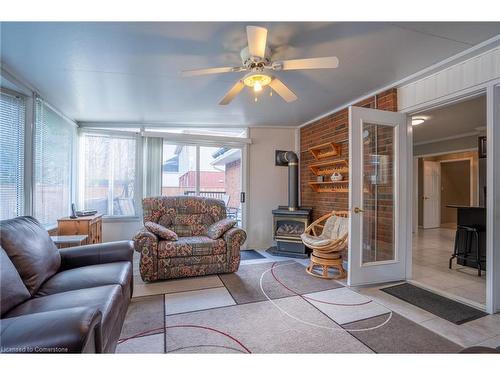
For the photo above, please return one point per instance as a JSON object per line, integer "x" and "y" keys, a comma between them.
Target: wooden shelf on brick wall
{"x": 330, "y": 186}
{"x": 327, "y": 168}
{"x": 325, "y": 150}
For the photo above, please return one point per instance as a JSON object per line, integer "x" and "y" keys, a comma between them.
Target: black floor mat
{"x": 250, "y": 254}
{"x": 443, "y": 307}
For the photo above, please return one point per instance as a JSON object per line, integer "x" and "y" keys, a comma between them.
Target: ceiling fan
{"x": 257, "y": 62}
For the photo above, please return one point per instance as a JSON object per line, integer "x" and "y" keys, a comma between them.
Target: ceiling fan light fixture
{"x": 257, "y": 81}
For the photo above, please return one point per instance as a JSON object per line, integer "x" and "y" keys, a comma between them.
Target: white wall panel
{"x": 472, "y": 73}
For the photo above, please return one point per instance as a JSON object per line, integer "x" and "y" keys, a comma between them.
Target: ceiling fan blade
{"x": 231, "y": 94}
{"x": 314, "y": 63}
{"x": 199, "y": 72}
{"x": 257, "y": 40}
{"x": 282, "y": 90}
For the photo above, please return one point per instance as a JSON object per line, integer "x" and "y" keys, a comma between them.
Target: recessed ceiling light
{"x": 417, "y": 121}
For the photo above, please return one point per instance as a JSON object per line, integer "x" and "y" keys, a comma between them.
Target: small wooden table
{"x": 82, "y": 225}
{"x": 69, "y": 241}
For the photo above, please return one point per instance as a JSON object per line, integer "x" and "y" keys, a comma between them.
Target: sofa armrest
{"x": 234, "y": 238}
{"x": 74, "y": 330}
{"x": 144, "y": 238}
{"x": 146, "y": 243}
{"x": 235, "y": 235}
{"x": 87, "y": 255}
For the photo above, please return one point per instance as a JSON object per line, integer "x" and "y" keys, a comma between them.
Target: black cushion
{"x": 30, "y": 249}
{"x": 13, "y": 291}
{"x": 119, "y": 273}
{"x": 107, "y": 299}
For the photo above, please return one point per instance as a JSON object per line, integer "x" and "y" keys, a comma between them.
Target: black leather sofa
{"x": 71, "y": 300}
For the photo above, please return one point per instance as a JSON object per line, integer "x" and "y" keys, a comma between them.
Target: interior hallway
{"x": 432, "y": 249}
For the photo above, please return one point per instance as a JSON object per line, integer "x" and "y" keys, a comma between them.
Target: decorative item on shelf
{"x": 320, "y": 178}
{"x": 336, "y": 176}
{"x": 325, "y": 150}
{"x": 329, "y": 186}
{"x": 326, "y": 168}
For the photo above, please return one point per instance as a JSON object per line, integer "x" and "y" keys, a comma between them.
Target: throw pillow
{"x": 217, "y": 229}
{"x": 161, "y": 231}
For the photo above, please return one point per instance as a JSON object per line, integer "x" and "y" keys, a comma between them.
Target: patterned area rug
{"x": 270, "y": 308}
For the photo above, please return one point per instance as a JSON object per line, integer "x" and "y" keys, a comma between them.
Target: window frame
{"x": 138, "y": 185}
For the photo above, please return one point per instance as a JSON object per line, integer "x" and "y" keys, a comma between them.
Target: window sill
{"x": 120, "y": 219}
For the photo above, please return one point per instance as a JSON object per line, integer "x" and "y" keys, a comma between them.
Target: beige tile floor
{"x": 432, "y": 249}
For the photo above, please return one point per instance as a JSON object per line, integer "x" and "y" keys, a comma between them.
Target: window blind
{"x": 53, "y": 158}
{"x": 109, "y": 172}
{"x": 12, "y": 116}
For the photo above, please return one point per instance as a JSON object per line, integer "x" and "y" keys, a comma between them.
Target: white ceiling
{"x": 451, "y": 121}
{"x": 130, "y": 71}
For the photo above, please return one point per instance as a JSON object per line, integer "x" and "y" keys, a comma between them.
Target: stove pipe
{"x": 290, "y": 158}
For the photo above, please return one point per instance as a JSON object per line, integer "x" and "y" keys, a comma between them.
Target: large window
{"x": 53, "y": 163}
{"x": 108, "y": 174}
{"x": 12, "y": 112}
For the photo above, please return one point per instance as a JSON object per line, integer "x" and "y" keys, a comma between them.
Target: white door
{"x": 431, "y": 195}
{"x": 378, "y": 186}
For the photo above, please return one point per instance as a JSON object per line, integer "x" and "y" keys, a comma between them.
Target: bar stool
{"x": 467, "y": 240}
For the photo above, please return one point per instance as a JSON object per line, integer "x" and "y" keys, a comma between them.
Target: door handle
{"x": 358, "y": 210}
{"x": 427, "y": 198}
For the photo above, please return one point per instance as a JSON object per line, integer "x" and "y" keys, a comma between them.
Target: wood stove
{"x": 289, "y": 222}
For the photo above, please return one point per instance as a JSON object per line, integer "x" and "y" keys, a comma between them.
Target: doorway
{"x": 448, "y": 194}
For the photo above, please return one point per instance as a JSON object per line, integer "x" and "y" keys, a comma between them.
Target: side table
{"x": 69, "y": 241}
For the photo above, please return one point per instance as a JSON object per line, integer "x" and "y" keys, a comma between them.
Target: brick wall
{"x": 332, "y": 128}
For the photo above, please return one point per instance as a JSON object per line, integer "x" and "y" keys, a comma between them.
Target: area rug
{"x": 277, "y": 308}
{"x": 244, "y": 285}
{"x": 250, "y": 255}
{"x": 443, "y": 307}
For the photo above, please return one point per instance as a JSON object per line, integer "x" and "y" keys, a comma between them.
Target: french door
{"x": 378, "y": 204}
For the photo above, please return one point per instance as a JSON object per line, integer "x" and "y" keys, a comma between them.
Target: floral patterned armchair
{"x": 206, "y": 243}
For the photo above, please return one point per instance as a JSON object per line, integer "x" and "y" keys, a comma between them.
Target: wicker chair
{"x": 327, "y": 247}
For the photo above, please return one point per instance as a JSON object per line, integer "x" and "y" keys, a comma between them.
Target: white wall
{"x": 119, "y": 230}
{"x": 267, "y": 184}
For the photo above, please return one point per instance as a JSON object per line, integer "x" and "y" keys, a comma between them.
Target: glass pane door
{"x": 220, "y": 177}
{"x": 178, "y": 170}
{"x": 378, "y": 193}
{"x": 378, "y": 196}
{"x": 214, "y": 172}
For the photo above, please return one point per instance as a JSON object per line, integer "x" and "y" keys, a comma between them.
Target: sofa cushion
{"x": 216, "y": 230}
{"x": 107, "y": 299}
{"x": 191, "y": 246}
{"x": 88, "y": 277}
{"x": 161, "y": 231}
{"x": 30, "y": 249}
{"x": 165, "y": 220}
{"x": 12, "y": 289}
{"x": 314, "y": 241}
